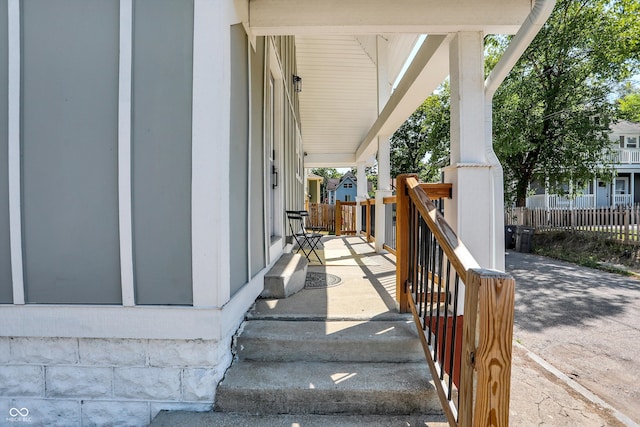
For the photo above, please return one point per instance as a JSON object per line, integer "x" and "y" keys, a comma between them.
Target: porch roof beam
{"x": 334, "y": 160}
{"x": 293, "y": 17}
{"x": 428, "y": 69}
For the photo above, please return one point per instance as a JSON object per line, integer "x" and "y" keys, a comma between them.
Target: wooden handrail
{"x": 485, "y": 371}
{"x": 440, "y": 190}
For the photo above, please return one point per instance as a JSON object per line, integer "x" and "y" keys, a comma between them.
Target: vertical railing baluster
{"x": 427, "y": 257}
{"x": 444, "y": 330}
{"x": 412, "y": 266}
{"x": 439, "y": 344}
{"x": 454, "y": 321}
{"x": 415, "y": 222}
{"x": 425, "y": 271}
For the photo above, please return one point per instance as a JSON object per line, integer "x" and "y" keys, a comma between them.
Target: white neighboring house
{"x": 622, "y": 190}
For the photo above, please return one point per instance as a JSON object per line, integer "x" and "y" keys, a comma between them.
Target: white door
{"x": 602, "y": 194}
{"x": 274, "y": 196}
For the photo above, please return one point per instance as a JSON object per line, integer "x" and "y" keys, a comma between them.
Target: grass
{"x": 589, "y": 250}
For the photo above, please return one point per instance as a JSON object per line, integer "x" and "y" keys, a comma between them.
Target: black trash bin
{"x": 524, "y": 238}
{"x": 510, "y": 236}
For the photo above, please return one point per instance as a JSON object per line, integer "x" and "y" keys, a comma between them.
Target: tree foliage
{"x": 421, "y": 144}
{"x": 551, "y": 115}
{"x": 629, "y": 105}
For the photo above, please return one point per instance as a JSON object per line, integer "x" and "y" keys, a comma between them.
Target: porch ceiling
{"x": 336, "y": 57}
{"x": 338, "y": 102}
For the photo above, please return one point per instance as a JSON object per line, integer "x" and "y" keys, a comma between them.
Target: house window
{"x": 347, "y": 197}
{"x": 348, "y": 185}
{"x": 628, "y": 141}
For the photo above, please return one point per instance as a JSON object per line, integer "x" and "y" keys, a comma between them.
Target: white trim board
{"x": 124, "y": 154}
{"x": 210, "y": 154}
{"x": 140, "y": 322}
{"x": 15, "y": 184}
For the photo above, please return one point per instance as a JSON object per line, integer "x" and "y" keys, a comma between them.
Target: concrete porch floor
{"x": 366, "y": 290}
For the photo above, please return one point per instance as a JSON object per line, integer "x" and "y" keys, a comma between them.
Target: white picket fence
{"x": 619, "y": 222}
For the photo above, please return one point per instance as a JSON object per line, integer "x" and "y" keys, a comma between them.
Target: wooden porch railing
{"x": 368, "y": 218}
{"x": 345, "y": 218}
{"x": 464, "y": 313}
{"x": 435, "y": 191}
{"x": 322, "y": 216}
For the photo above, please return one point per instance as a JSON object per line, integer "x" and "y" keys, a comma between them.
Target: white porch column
{"x": 384, "y": 189}
{"x": 362, "y": 193}
{"x": 470, "y": 211}
{"x": 384, "y": 145}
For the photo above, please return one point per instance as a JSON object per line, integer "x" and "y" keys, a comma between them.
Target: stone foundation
{"x": 124, "y": 382}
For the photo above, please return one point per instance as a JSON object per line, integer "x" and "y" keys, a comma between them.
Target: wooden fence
{"x": 323, "y": 217}
{"x": 619, "y": 222}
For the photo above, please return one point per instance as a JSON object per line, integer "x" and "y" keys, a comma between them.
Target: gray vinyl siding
{"x": 6, "y": 293}
{"x": 69, "y": 148}
{"x": 161, "y": 150}
{"x": 239, "y": 155}
{"x": 256, "y": 189}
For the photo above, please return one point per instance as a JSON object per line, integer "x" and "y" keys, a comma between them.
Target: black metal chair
{"x": 303, "y": 237}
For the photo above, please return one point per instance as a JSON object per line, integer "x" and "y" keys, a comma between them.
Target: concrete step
{"x": 327, "y": 388}
{"x": 217, "y": 419}
{"x": 286, "y": 277}
{"x": 331, "y": 341}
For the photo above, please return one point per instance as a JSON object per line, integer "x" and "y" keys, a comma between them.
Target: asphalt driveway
{"x": 584, "y": 322}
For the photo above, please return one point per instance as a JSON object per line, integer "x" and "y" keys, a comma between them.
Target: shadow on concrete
{"x": 551, "y": 293}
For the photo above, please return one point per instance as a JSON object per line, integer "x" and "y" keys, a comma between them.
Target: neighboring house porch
{"x": 622, "y": 190}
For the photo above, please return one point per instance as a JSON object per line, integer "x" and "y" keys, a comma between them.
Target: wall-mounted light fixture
{"x": 297, "y": 83}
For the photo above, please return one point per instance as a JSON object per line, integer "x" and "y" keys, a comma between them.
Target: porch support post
{"x": 632, "y": 188}
{"x": 384, "y": 145}
{"x": 361, "y": 194}
{"x": 384, "y": 190}
{"x": 470, "y": 212}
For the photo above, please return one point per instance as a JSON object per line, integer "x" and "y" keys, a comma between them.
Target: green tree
{"x": 551, "y": 114}
{"x": 629, "y": 105}
{"x": 421, "y": 144}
